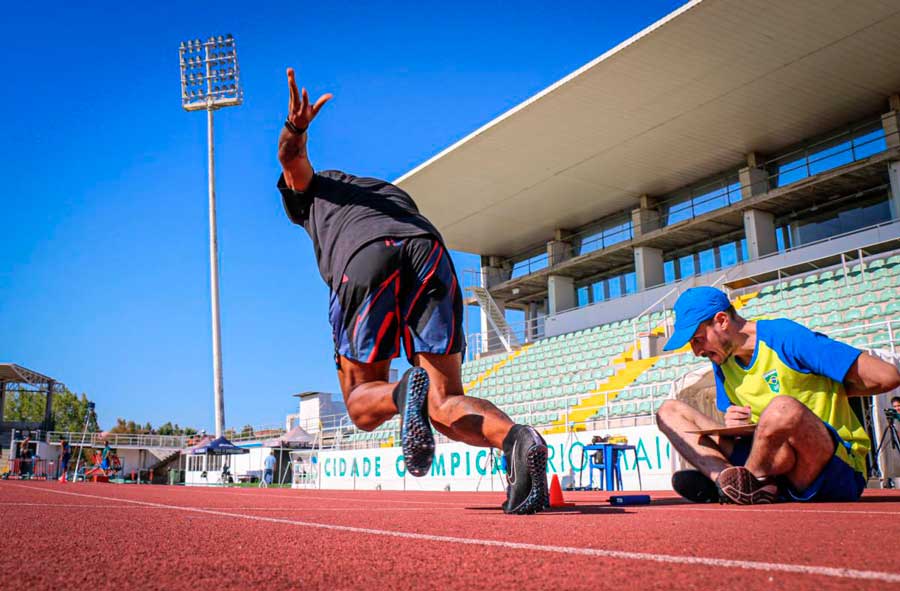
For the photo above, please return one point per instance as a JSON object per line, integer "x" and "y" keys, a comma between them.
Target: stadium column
{"x": 560, "y": 288}
{"x": 48, "y": 407}
{"x": 494, "y": 270}
{"x": 646, "y": 218}
{"x": 759, "y": 226}
{"x": 2, "y": 399}
{"x": 648, "y": 262}
{"x": 648, "y": 267}
{"x": 890, "y": 122}
{"x": 531, "y": 316}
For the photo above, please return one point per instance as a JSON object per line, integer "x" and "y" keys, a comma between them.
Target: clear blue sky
{"x": 104, "y": 280}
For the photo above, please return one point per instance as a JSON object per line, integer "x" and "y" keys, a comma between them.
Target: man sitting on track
{"x": 794, "y": 385}
{"x": 392, "y": 280}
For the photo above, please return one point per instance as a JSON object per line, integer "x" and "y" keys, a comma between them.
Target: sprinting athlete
{"x": 794, "y": 384}
{"x": 392, "y": 282}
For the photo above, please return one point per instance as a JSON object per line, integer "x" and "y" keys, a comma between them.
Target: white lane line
{"x": 368, "y": 499}
{"x": 736, "y": 510}
{"x": 166, "y": 507}
{"x": 824, "y": 571}
{"x": 365, "y": 509}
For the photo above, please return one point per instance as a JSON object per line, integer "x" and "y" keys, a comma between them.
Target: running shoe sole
{"x": 737, "y": 485}
{"x": 538, "y": 498}
{"x": 416, "y": 435}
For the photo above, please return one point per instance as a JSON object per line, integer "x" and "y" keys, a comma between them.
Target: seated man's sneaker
{"x": 694, "y": 486}
{"x": 411, "y": 398}
{"x": 526, "y": 464}
{"x": 739, "y": 486}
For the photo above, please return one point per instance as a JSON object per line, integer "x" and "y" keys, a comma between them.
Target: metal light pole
{"x": 210, "y": 80}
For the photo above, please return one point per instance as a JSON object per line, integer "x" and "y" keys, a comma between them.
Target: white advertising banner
{"x": 460, "y": 467}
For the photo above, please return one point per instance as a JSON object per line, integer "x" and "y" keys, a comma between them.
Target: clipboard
{"x": 739, "y": 431}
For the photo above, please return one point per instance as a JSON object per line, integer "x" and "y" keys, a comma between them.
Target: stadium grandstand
{"x": 754, "y": 146}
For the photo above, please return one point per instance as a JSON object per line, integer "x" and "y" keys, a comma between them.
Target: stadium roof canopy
{"x": 12, "y": 373}
{"x": 686, "y": 98}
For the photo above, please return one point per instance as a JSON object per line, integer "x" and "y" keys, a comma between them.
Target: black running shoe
{"x": 411, "y": 397}
{"x": 526, "y": 464}
{"x": 694, "y": 486}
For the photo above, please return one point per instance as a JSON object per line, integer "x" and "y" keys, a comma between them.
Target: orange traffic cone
{"x": 556, "y": 495}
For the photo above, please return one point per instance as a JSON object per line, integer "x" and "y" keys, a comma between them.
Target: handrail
{"x": 866, "y": 258}
{"x": 94, "y": 439}
{"x": 634, "y": 320}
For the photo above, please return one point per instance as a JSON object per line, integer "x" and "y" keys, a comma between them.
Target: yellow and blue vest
{"x": 792, "y": 360}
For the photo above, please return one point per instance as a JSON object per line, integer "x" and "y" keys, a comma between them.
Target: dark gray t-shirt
{"x": 342, "y": 213}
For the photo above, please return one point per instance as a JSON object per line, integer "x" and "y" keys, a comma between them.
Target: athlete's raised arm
{"x": 292, "y": 154}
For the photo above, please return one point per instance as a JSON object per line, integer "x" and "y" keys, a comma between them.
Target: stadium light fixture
{"x": 210, "y": 80}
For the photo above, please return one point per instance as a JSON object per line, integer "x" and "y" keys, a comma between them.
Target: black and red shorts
{"x": 398, "y": 290}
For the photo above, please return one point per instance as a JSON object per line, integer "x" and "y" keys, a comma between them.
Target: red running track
{"x": 105, "y": 536}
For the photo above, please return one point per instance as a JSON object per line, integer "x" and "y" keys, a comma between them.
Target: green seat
{"x": 852, "y": 316}
{"x": 816, "y": 322}
{"x": 872, "y": 312}
{"x": 861, "y": 342}
{"x": 892, "y": 309}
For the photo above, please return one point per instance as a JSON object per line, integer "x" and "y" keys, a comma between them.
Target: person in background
{"x": 104, "y": 457}
{"x": 65, "y": 454}
{"x": 269, "y": 470}
{"x": 25, "y": 456}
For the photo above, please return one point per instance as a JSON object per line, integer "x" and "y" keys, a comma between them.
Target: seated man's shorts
{"x": 398, "y": 290}
{"x": 838, "y": 481}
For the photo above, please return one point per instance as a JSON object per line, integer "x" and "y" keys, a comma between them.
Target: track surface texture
{"x": 106, "y": 536}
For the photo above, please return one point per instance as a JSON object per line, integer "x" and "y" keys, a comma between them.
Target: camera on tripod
{"x": 891, "y": 414}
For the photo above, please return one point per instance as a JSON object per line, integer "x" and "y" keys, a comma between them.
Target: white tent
{"x": 296, "y": 437}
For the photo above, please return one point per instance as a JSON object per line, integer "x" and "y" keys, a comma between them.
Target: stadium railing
{"x": 119, "y": 439}
{"x": 34, "y": 468}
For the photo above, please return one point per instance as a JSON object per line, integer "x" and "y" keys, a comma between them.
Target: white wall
{"x": 466, "y": 468}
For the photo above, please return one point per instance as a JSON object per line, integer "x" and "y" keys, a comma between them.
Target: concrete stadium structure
{"x": 725, "y": 132}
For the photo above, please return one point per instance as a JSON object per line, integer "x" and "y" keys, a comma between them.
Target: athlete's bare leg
{"x": 367, "y": 392}
{"x": 369, "y": 399}
{"x": 459, "y": 417}
{"x": 791, "y": 441}
{"x": 707, "y": 454}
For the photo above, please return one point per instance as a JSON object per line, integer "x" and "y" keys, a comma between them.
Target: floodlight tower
{"x": 210, "y": 80}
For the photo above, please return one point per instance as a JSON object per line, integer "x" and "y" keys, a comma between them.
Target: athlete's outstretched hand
{"x": 292, "y": 144}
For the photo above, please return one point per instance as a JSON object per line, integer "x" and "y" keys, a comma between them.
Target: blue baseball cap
{"x": 694, "y": 307}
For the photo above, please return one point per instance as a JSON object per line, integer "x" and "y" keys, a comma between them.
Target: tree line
{"x": 70, "y": 411}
